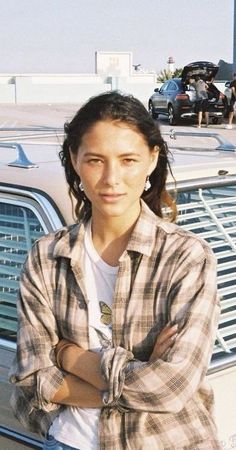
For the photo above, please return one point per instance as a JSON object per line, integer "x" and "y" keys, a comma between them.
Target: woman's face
{"x": 113, "y": 162}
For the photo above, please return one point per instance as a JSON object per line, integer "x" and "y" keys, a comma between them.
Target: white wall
{"x": 63, "y": 88}
{"x": 72, "y": 88}
{"x": 7, "y": 93}
{"x": 57, "y": 89}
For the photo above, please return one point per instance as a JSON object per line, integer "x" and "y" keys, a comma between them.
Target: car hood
{"x": 205, "y": 69}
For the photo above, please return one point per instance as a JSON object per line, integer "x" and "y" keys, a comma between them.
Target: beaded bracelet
{"x": 59, "y": 353}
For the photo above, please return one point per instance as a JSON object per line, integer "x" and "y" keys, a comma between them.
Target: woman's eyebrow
{"x": 92, "y": 154}
{"x": 102, "y": 155}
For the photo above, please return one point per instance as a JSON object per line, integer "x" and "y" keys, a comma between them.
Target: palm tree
{"x": 167, "y": 75}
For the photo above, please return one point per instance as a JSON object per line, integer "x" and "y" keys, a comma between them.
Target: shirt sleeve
{"x": 166, "y": 385}
{"x": 34, "y": 373}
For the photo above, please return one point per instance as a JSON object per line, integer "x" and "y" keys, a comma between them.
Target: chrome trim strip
{"x": 225, "y": 145}
{"x": 22, "y": 201}
{"x": 202, "y": 183}
{"x": 7, "y": 345}
{"x": 221, "y": 364}
{"x": 20, "y": 437}
{"x": 42, "y": 201}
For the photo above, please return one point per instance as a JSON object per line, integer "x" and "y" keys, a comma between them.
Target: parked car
{"x": 176, "y": 98}
{"x": 34, "y": 200}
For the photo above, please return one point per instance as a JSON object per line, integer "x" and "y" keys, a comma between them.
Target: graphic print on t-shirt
{"x": 104, "y": 332}
{"x": 104, "y": 340}
{"x": 105, "y": 313}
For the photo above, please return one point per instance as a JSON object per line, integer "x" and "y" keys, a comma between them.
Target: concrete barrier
{"x": 66, "y": 88}
{"x": 73, "y": 88}
{"x": 57, "y": 89}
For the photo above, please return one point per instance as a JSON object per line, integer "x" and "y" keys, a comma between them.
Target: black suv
{"x": 176, "y": 97}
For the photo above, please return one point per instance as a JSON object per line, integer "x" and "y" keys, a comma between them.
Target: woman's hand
{"x": 164, "y": 341}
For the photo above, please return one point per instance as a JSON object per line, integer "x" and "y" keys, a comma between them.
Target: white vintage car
{"x": 34, "y": 200}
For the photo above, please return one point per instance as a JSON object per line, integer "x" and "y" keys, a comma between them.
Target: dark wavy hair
{"x": 116, "y": 106}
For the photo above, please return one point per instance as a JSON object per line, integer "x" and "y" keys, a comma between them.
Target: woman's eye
{"x": 129, "y": 160}
{"x": 94, "y": 161}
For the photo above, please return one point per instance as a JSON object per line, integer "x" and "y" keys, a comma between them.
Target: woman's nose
{"x": 111, "y": 174}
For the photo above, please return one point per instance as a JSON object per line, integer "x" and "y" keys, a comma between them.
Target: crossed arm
{"x": 84, "y": 385}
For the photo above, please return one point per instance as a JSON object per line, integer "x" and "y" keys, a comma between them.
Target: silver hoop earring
{"x": 81, "y": 186}
{"x": 147, "y": 184}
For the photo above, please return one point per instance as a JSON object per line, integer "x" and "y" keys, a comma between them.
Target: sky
{"x": 62, "y": 36}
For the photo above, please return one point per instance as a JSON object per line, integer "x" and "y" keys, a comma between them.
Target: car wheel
{"x": 172, "y": 115}
{"x": 151, "y": 111}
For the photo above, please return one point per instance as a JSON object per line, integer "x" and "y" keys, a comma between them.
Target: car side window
{"x": 211, "y": 214}
{"x": 172, "y": 86}
{"x": 165, "y": 86}
{"x": 20, "y": 227}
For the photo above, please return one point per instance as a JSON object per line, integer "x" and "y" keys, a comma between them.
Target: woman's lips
{"x": 111, "y": 198}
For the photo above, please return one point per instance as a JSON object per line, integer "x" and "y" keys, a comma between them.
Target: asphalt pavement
{"x": 41, "y": 116}
{"x": 17, "y": 119}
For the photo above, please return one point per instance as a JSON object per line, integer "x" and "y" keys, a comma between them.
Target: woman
{"x": 117, "y": 314}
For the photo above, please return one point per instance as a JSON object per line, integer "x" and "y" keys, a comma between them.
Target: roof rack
{"x": 21, "y": 160}
{"x": 224, "y": 146}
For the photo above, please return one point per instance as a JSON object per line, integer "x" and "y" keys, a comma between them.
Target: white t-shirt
{"x": 78, "y": 427}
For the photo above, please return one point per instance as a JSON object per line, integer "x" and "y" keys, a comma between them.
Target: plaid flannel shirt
{"x": 165, "y": 274}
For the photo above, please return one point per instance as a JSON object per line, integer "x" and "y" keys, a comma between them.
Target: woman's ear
{"x": 154, "y": 159}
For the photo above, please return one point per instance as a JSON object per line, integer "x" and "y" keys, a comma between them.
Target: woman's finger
{"x": 164, "y": 341}
{"x": 166, "y": 333}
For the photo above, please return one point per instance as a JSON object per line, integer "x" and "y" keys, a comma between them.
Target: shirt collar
{"x": 142, "y": 237}
{"x": 141, "y": 240}
{"x": 70, "y": 242}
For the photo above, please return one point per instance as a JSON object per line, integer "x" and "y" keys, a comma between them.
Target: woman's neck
{"x": 110, "y": 238}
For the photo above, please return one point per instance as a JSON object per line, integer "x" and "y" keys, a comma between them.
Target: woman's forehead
{"x": 103, "y": 131}
{"x": 116, "y": 125}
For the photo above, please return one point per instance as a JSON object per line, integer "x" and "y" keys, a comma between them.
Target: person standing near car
{"x": 202, "y": 102}
{"x": 118, "y": 312}
{"x": 232, "y": 86}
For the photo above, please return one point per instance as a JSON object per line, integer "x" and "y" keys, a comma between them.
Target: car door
{"x": 171, "y": 93}
{"x": 23, "y": 219}
{"x": 160, "y": 98}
